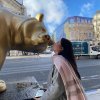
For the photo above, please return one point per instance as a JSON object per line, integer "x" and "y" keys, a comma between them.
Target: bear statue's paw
{"x": 2, "y": 86}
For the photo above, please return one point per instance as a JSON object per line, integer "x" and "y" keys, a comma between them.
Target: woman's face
{"x": 57, "y": 48}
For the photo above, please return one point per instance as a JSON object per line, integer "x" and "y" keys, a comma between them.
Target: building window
{"x": 78, "y": 20}
{"x": 72, "y": 20}
{"x": 85, "y": 20}
{"x": 89, "y": 21}
{"x": 82, "y": 20}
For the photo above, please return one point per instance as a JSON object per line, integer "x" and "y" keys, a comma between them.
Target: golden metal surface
{"x": 21, "y": 33}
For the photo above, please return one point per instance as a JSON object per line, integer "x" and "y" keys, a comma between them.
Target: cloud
{"x": 55, "y": 11}
{"x": 86, "y": 9}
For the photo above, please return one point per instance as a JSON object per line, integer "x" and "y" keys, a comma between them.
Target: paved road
{"x": 15, "y": 69}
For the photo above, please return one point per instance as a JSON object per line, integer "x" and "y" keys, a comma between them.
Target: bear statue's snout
{"x": 48, "y": 39}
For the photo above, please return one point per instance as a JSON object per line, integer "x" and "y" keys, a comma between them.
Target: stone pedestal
{"x": 19, "y": 90}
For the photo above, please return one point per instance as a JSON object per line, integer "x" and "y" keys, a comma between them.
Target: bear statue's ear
{"x": 39, "y": 17}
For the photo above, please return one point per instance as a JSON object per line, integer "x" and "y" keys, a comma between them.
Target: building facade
{"x": 79, "y": 28}
{"x": 14, "y": 6}
{"x": 17, "y": 7}
{"x": 96, "y": 23}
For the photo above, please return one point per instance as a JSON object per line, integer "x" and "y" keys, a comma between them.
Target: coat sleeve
{"x": 55, "y": 90}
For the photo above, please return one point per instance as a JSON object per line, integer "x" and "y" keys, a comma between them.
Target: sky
{"x": 56, "y": 11}
{"x": 85, "y": 8}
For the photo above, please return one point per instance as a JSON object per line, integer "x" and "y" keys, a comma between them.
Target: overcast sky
{"x": 55, "y": 11}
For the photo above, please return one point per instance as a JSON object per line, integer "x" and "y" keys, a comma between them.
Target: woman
{"x": 65, "y": 78}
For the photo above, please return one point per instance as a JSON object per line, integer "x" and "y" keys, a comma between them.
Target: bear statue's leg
{"x": 2, "y": 58}
{"x": 4, "y": 39}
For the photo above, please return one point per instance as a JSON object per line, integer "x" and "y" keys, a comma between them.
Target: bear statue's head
{"x": 36, "y": 38}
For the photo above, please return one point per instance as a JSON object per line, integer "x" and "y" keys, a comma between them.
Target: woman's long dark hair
{"x": 68, "y": 54}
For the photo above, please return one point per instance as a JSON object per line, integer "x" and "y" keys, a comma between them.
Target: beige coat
{"x": 64, "y": 87}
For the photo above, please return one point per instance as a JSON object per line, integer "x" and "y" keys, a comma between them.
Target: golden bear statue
{"x": 21, "y": 33}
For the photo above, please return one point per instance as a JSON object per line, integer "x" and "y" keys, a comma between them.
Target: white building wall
{"x": 96, "y": 23}
{"x": 13, "y": 6}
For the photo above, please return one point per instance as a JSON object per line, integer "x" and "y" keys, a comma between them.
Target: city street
{"x": 39, "y": 67}
{"x": 27, "y": 29}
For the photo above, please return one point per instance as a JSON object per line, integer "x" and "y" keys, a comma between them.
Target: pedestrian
{"x": 65, "y": 80}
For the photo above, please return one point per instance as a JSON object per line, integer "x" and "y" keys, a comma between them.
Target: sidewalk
{"x": 93, "y": 94}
